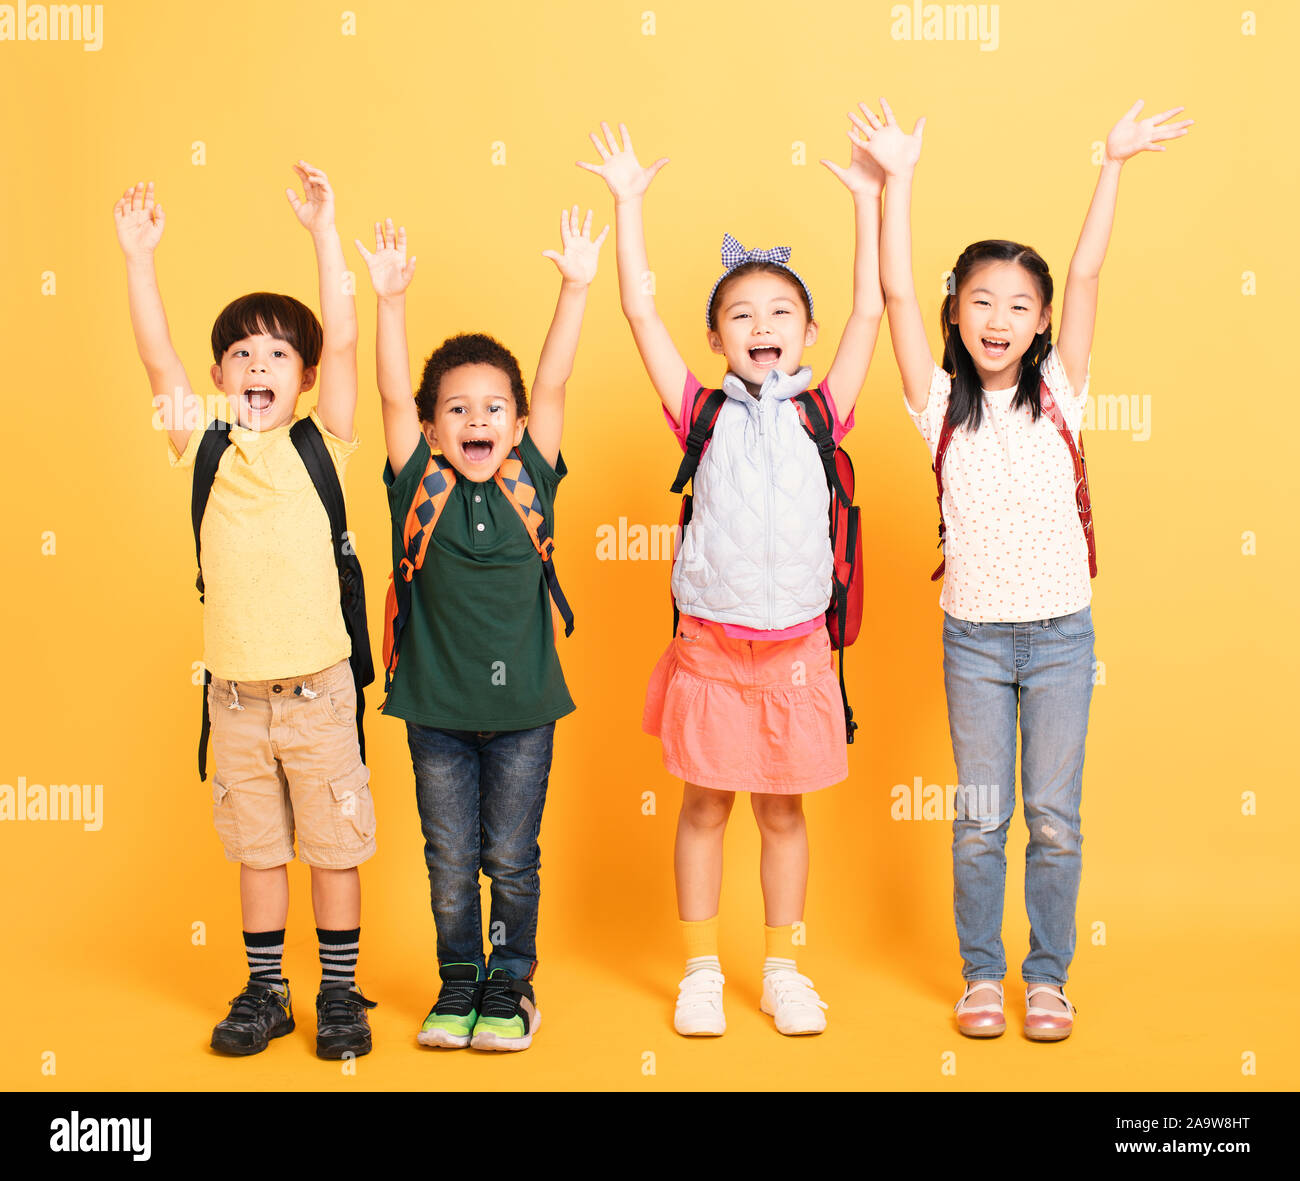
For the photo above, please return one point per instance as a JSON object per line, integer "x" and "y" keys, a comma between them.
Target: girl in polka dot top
{"x": 1017, "y": 631}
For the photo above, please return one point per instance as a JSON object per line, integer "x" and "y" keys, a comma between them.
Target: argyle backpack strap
{"x": 513, "y": 479}
{"x": 421, "y": 518}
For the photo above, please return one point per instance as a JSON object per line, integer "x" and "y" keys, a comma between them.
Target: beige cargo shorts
{"x": 286, "y": 757}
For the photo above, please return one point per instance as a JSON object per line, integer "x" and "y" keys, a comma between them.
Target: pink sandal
{"x": 1047, "y": 1025}
{"x": 980, "y": 1020}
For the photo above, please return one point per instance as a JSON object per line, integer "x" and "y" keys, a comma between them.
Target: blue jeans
{"x": 480, "y": 797}
{"x": 1043, "y": 668}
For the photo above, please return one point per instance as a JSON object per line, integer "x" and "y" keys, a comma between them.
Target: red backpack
{"x": 844, "y": 615}
{"x": 1082, "y": 498}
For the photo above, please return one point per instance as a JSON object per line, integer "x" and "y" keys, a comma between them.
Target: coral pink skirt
{"x": 748, "y": 715}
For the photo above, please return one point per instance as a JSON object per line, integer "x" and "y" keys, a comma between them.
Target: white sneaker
{"x": 699, "y": 1004}
{"x": 793, "y": 1001}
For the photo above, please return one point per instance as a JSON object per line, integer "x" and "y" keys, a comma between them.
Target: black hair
{"x": 965, "y": 403}
{"x": 280, "y": 316}
{"x": 469, "y": 348}
{"x": 756, "y": 266}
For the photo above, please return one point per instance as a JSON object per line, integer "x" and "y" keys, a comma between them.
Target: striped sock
{"x": 264, "y": 950}
{"x": 338, "y": 957}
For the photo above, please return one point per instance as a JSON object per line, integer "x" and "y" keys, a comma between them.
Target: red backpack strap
{"x": 945, "y": 437}
{"x": 704, "y": 417}
{"x": 513, "y": 479}
{"x": 1082, "y": 497}
{"x": 818, "y": 419}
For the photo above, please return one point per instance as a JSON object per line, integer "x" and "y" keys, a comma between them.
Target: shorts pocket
{"x": 224, "y": 818}
{"x": 952, "y": 626}
{"x": 1077, "y": 626}
{"x": 353, "y": 807}
{"x": 341, "y": 702}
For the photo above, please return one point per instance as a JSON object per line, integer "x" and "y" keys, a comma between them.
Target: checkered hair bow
{"x": 734, "y": 254}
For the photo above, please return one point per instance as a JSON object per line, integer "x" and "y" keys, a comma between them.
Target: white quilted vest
{"x": 757, "y": 552}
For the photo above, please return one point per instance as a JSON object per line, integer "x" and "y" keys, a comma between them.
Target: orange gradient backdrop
{"x": 406, "y": 114}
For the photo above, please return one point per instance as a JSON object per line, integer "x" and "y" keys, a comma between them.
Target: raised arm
{"x": 864, "y": 179}
{"x": 628, "y": 181}
{"x": 336, "y": 401}
{"x": 897, "y": 153}
{"x": 577, "y": 266}
{"x": 390, "y": 275}
{"x": 140, "y": 220}
{"x": 1079, "y": 307}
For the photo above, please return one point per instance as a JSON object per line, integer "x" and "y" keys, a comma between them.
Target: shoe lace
{"x": 500, "y": 999}
{"x": 457, "y": 997}
{"x": 793, "y": 989}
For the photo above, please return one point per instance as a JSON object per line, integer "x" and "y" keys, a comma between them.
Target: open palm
{"x": 139, "y": 220}
{"x": 621, "y": 170}
{"x": 390, "y": 270}
{"x": 578, "y": 262}
{"x": 315, "y": 209}
{"x": 890, "y": 146}
{"x": 1132, "y": 135}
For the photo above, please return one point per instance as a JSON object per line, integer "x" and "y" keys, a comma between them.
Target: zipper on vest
{"x": 764, "y": 438}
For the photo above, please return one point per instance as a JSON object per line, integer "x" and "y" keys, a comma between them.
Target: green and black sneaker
{"x": 342, "y": 1026}
{"x": 508, "y": 1015}
{"x": 259, "y": 1013}
{"x": 450, "y": 1022}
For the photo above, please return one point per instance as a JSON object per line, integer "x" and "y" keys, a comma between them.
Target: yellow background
{"x": 1198, "y": 900}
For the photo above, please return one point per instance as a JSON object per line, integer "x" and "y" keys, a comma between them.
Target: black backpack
{"x": 307, "y": 440}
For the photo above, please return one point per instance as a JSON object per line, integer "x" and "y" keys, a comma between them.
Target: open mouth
{"x": 260, "y": 398}
{"x": 765, "y": 356}
{"x": 994, "y": 347}
{"x": 477, "y": 450}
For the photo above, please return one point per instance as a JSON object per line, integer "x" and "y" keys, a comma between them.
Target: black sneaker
{"x": 508, "y": 1016}
{"x": 342, "y": 1026}
{"x": 257, "y": 1014}
{"x": 450, "y": 1022}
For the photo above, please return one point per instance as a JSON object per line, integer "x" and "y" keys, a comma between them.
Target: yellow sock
{"x": 701, "y": 937}
{"x": 779, "y": 941}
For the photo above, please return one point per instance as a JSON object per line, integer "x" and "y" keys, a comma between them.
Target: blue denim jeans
{"x": 1043, "y": 670}
{"x": 480, "y": 797}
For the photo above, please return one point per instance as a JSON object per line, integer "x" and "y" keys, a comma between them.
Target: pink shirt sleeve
{"x": 839, "y": 429}
{"x": 681, "y": 425}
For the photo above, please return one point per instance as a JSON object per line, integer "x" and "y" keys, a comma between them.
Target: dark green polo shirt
{"x": 478, "y": 650}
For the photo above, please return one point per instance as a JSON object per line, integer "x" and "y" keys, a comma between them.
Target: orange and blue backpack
{"x": 431, "y": 495}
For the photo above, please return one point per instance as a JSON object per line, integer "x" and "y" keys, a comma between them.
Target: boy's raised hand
{"x": 139, "y": 219}
{"x": 621, "y": 170}
{"x": 863, "y": 175}
{"x": 315, "y": 209}
{"x": 889, "y": 145}
{"x": 390, "y": 270}
{"x": 578, "y": 262}
{"x": 1132, "y": 135}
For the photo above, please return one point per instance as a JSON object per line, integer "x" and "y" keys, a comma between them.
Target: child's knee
{"x": 705, "y": 808}
{"x": 778, "y": 815}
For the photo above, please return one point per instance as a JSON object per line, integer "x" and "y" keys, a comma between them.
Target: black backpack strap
{"x": 704, "y": 417}
{"x": 216, "y": 438}
{"x": 818, "y": 420}
{"x": 306, "y": 438}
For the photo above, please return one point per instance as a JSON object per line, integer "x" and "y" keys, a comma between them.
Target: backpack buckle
{"x": 407, "y": 567}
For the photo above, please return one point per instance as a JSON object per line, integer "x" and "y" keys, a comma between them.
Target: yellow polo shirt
{"x": 271, "y": 588}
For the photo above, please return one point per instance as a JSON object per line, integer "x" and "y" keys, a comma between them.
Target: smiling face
{"x": 761, "y": 324}
{"x": 998, "y": 312}
{"x": 262, "y": 377}
{"x": 475, "y": 423}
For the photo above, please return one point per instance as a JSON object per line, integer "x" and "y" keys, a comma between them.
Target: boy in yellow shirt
{"x": 282, "y": 700}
